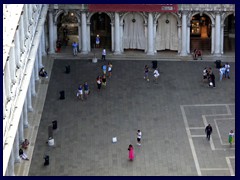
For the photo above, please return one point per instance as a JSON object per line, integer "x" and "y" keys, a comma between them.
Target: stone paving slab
{"x": 85, "y": 129}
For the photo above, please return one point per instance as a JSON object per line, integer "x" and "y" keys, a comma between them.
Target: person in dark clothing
{"x": 212, "y": 80}
{"x": 208, "y": 131}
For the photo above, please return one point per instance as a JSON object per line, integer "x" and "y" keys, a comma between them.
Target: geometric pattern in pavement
{"x": 222, "y": 119}
{"x": 83, "y": 138}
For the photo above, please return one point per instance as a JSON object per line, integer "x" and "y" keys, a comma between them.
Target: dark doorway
{"x": 100, "y": 25}
{"x": 200, "y": 33}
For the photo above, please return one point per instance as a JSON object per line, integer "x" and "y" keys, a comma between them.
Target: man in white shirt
{"x": 156, "y": 75}
{"x": 139, "y": 137}
{"x": 222, "y": 72}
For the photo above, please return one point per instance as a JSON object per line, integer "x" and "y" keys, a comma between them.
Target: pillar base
{"x": 84, "y": 52}
{"x": 150, "y": 53}
{"x": 26, "y": 125}
{"x": 17, "y": 160}
{"x": 30, "y": 108}
{"x": 117, "y": 53}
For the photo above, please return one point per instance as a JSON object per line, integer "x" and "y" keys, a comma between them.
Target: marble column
{"x": 10, "y": 168}
{"x": 12, "y": 65}
{"x": 39, "y": 54}
{"x": 150, "y": 50}
{"x": 188, "y": 38}
{"x": 179, "y": 38}
{"x": 112, "y": 36}
{"x": 218, "y": 34}
{"x": 117, "y": 34}
{"x": 29, "y": 98}
{"x": 26, "y": 24}
{"x": 121, "y": 38}
{"x": 16, "y": 149}
{"x": 84, "y": 32}
{"x": 20, "y": 129}
{"x": 32, "y": 83}
{"x": 7, "y": 83}
{"x": 36, "y": 68}
{"x": 42, "y": 43}
{"x": 212, "y": 38}
{"x": 51, "y": 38}
{"x": 222, "y": 38}
{"x": 79, "y": 36}
{"x": 154, "y": 36}
{"x": 17, "y": 50}
{"x": 25, "y": 114}
{"x": 22, "y": 36}
{"x": 184, "y": 34}
{"x": 88, "y": 38}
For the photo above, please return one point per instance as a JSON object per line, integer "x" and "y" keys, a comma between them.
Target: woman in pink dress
{"x": 131, "y": 152}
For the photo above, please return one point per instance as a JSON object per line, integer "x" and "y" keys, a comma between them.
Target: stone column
{"x": 20, "y": 128}
{"x": 17, "y": 50}
{"x": 16, "y": 149}
{"x": 150, "y": 34}
{"x": 29, "y": 98}
{"x": 121, "y": 38}
{"x": 36, "y": 68}
{"x": 184, "y": 34}
{"x": 188, "y": 38}
{"x": 51, "y": 38}
{"x": 10, "y": 168}
{"x": 42, "y": 43}
{"x": 179, "y": 38}
{"x": 213, "y": 39}
{"x": 218, "y": 34}
{"x": 222, "y": 38}
{"x": 25, "y": 114}
{"x": 22, "y": 35}
{"x": 84, "y": 32}
{"x": 39, "y": 54}
{"x": 32, "y": 83}
{"x": 117, "y": 34}
{"x": 154, "y": 36}
{"x": 12, "y": 65}
{"x": 26, "y": 24}
{"x": 7, "y": 79}
{"x": 79, "y": 36}
{"x": 112, "y": 36}
{"x": 88, "y": 38}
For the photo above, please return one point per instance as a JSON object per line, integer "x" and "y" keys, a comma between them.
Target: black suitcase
{"x": 54, "y": 124}
{"x": 62, "y": 95}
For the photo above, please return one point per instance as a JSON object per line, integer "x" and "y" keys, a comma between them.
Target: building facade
{"x": 32, "y": 30}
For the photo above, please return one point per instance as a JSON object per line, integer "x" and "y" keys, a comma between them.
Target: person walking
{"x": 74, "y": 46}
{"x": 208, "y": 131}
{"x": 104, "y": 69}
{"x": 109, "y": 69}
{"x": 130, "y": 152}
{"x": 99, "y": 83}
{"x": 227, "y": 71}
{"x": 80, "y": 92}
{"x": 230, "y": 137}
{"x": 104, "y": 54}
{"x": 104, "y": 80}
{"x": 97, "y": 41}
{"x": 86, "y": 89}
{"x": 222, "y": 72}
{"x": 156, "y": 75}
{"x": 139, "y": 137}
{"x": 146, "y": 70}
{"x": 212, "y": 80}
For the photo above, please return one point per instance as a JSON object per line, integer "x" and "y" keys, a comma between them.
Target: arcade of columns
{"x": 24, "y": 48}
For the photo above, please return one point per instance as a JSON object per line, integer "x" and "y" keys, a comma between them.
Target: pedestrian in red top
{"x": 131, "y": 152}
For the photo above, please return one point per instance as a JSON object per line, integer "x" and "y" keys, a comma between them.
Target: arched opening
{"x": 67, "y": 28}
{"x": 100, "y": 25}
{"x": 134, "y": 37}
{"x": 200, "y": 33}
{"x": 166, "y": 33}
{"x": 229, "y": 34}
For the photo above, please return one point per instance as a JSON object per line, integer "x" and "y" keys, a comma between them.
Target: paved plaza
{"x": 171, "y": 114}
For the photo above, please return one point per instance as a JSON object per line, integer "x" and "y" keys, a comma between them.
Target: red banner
{"x": 133, "y": 7}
